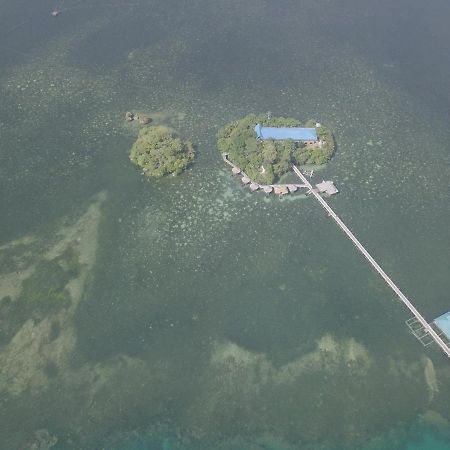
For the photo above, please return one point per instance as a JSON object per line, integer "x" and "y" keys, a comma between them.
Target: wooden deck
{"x": 279, "y": 189}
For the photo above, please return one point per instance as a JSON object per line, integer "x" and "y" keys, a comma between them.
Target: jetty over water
{"x": 427, "y": 328}
{"x": 279, "y": 189}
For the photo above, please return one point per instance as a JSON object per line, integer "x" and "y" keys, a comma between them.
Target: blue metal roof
{"x": 443, "y": 322}
{"x": 294, "y": 133}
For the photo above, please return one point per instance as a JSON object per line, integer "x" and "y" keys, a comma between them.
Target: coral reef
{"x": 36, "y": 316}
{"x": 42, "y": 440}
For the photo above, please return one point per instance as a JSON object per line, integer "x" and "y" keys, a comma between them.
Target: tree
{"x": 160, "y": 152}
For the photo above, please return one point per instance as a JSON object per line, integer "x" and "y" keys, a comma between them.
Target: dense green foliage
{"x": 265, "y": 161}
{"x": 316, "y": 155}
{"x": 160, "y": 152}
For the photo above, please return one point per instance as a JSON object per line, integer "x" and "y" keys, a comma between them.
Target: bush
{"x": 160, "y": 152}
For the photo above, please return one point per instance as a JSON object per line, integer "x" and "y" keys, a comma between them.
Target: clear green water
{"x": 213, "y": 318}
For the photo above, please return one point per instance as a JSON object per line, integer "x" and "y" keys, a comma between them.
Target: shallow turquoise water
{"x": 429, "y": 442}
{"x": 205, "y": 311}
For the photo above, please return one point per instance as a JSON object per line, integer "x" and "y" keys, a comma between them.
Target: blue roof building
{"x": 278, "y": 134}
{"x": 443, "y": 323}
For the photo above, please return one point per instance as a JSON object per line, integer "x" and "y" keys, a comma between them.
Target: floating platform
{"x": 279, "y": 189}
{"x": 327, "y": 187}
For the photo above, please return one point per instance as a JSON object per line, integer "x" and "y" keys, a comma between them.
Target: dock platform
{"x": 278, "y": 189}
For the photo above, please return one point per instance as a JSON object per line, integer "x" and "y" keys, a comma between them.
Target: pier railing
{"x": 427, "y": 327}
{"x": 288, "y": 187}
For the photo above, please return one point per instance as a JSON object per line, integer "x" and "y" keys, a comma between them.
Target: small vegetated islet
{"x": 159, "y": 151}
{"x": 265, "y": 161}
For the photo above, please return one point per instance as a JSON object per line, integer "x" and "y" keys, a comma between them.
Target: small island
{"x": 159, "y": 151}
{"x": 263, "y": 159}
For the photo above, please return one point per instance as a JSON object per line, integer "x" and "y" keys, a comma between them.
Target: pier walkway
{"x": 427, "y": 327}
{"x": 279, "y": 189}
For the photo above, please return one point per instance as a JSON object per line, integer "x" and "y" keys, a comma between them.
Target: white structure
{"x": 328, "y": 187}
{"x": 420, "y": 319}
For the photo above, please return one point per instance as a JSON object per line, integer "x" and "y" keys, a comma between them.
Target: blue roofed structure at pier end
{"x": 443, "y": 323}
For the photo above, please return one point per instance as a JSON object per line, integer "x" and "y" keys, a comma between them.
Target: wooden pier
{"x": 279, "y": 189}
{"x": 426, "y": 326}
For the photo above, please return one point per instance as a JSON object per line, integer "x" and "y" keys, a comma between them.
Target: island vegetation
{"x": 264, "y": 161}
{"x": 159, "y": 151}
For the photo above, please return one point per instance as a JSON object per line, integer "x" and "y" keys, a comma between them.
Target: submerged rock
{"x": 430, "y": 377}
{"x": 42, "y": 440}
{"x": 143, "y": 119}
